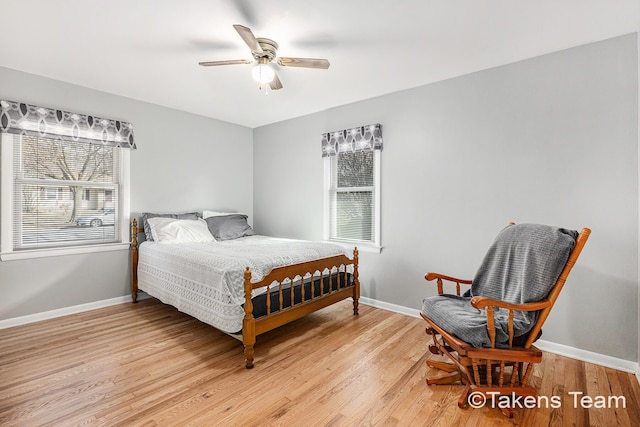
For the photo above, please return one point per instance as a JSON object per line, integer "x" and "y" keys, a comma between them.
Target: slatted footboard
{"x": 329, "y": 283}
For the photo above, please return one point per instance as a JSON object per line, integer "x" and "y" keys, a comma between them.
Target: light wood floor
{"x": 147, "y": 364}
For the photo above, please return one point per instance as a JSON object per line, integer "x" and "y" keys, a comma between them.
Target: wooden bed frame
{"x": 273, "y": 282}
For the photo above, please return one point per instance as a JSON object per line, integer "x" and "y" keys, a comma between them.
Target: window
{"x": 60, "y": 194}
{"x": 352, "y": 185}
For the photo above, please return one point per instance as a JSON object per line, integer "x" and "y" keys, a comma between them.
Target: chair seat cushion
{"x": 457, "y": 316}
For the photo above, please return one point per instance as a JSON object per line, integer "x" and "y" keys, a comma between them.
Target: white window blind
{"x": 61, "y": 193}
{"x": 353, "y": 196}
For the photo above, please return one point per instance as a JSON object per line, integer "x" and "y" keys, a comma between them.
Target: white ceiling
{"x": 149, "y": 49}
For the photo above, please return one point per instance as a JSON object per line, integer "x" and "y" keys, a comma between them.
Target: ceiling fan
{"x": 264, "y": 52}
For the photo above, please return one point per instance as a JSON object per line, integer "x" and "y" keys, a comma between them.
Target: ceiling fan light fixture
{"x": 263, "y": 73}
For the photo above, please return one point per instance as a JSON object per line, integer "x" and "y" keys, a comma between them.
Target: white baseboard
{"x": 551, "y": 347}
{"x": 390, "y": 307}
{"x": 36, "y": 317}
{"x": 588, "y": 356}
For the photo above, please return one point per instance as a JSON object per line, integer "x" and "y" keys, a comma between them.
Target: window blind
{"x": 65, "y": 193}
{"x": 352, "y": 195}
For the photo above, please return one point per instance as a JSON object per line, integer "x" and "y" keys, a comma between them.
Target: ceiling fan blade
{"x": 228, "y": 62}
{"x": 248, "y": 38}
{"x": 275, "y": 84}
{"x": 304, "y": 62}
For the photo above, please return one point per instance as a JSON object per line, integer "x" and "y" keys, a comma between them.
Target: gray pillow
{"x": 147, "y": 215}
{"x": 227, "y": 227}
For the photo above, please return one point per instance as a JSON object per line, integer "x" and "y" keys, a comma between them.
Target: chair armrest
{"x": 440, "y": 277}
{"x": 482, "y": 302}
{"x": 490, "y": 304}
{"x": 433, "y": 276}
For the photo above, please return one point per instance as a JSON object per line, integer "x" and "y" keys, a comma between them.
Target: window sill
{"x": 362, "y": 247}
{"x": 42, "y": 253}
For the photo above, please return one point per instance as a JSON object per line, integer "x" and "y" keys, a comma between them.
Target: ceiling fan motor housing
{"x": 269, "y": 49}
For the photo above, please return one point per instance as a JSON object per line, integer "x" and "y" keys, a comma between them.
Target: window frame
{"x": 7, "y": 252}
{"x": 374, "y": 245}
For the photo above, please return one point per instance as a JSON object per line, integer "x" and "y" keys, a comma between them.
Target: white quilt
{"x": 206, "y": 280}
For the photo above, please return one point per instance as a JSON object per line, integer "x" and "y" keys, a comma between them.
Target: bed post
{"x": 356, "y": 282}
{"x": 134, "y": 260}
{"x": 248, "y": 323}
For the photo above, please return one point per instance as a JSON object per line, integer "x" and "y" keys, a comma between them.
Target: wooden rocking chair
{"x": 498, "y": 368}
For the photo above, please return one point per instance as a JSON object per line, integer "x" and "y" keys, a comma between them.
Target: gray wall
{"x": 548, "y": 140}
{"x": 184, "y": 162}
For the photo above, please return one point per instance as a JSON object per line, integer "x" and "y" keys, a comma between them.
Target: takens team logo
{"x": 478, "y": 399}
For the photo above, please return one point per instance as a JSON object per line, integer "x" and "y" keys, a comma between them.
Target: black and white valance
{"x": 363, "y": 138}
{"x": 24, "y": 119}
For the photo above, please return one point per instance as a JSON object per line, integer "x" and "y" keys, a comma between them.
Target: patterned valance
{"x": 363, "y": 138}
{"x": 24, "y": 119}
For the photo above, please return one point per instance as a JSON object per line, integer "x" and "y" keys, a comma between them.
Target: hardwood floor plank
{"x": 147, "y": 364}
{"x": 620, "y": 415}
{"x": 544, "y": 383}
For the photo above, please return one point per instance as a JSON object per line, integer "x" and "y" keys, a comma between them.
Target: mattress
{"x": 206, "y": 280}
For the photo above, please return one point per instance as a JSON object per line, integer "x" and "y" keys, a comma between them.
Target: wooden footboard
{"x": 331, "y": 271}
{"x": 331, "y": 282}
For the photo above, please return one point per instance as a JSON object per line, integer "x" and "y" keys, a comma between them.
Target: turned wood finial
{"x": 134, "y": 233}
{"x": 248, "y": 323}
{"x": 355, "y": 261}
{"x": 134, "y": 260}
{"x": 356, "y": 282}
{"x": 248, "y": 304}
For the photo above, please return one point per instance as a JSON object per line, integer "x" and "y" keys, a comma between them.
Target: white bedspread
{"x": 206, "y": 280}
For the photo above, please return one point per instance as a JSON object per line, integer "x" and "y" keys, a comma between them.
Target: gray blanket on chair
{"x": 522, "y": 265}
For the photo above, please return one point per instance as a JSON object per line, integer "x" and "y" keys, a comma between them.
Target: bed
{"x": 245, "y": 286}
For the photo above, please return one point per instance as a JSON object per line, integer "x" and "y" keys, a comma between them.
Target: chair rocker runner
{"x": 488, "y": 332}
